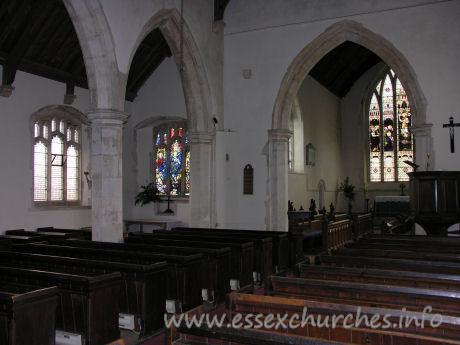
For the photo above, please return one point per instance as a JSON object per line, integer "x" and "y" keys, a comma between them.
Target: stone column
{"x": 423, "y": 146}
{"x": 201, "y": 180}
{"x": 106, "y": 174}
{"x": 277, "y": 203}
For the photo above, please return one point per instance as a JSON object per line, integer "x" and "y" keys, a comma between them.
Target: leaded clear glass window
{"x": 57, "y": 155}
{"x": 171, "y": 157}
{"x": 390, "y": 142}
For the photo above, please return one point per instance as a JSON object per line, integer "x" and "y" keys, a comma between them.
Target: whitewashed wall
{"x": 16, "y": 152}
{"x": 321, "y": 117}
{"x": 265, "y": 36}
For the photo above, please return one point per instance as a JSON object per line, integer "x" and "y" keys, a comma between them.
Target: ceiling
{"x": 343, "y": 66}
{"x": 38, "y": 37}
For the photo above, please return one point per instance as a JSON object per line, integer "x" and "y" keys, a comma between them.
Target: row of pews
{"x": 394, "y": 276}
{"x": 102, "y": 287}
{"x": 97, "y": 288}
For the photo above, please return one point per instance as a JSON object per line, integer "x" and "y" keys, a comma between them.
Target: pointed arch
{"x": 105, "y": 83}
{"x": 346, "y": 30}
{"x": 338, "y": 33}
{"x": 195, "y": 83}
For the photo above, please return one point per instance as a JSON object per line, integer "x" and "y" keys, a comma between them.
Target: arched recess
{"x": 302, "y": 64}
{"x": 195, "y": 83}
{"x": 105, "y": 83}
{"x": 198, "y": 103}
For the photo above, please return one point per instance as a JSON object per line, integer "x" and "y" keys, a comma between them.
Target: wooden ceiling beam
{"x": 51, "y": 40}
{"x": 26, "y": 39}
{"x": 22, "y": 11}
{"x": 51, "y": 73}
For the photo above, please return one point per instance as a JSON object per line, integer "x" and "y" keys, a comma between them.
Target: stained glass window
{"x": 172, "y": 160}
{"x": 390, "y": 141}
{"x": 161, "y": 171}
{"x": 56, "y": 161}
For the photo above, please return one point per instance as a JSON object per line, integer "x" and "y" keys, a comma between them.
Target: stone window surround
{"x": 391, "y": 185}
{"x": 78, "y": 120}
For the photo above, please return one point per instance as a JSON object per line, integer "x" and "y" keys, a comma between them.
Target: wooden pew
{"x": 399, "y": 254}
{"x": 10, "y": 239}
{"x": 27, "y": 316}
{"x": 263, "y": 246}
{"x": 362, "y": 225}
{"x": 215, "y": 274}
{"x": 47, "y": 235}
{"x": 86, "y": 304}
{"x": 381, "y": 296}
{"x": 446, "y": 333}
{"x": 85, "y": 233}
{"x": 242, "y": 255}
{"x": 228, "y": 336}
{"x": 400, "y": 245}
{"x": 184, "y": 276}
{"x": 395, "y": 238}
{"x": 391, "y": 264}
{"x": 379, "y": 276}
{"x": 144, "y": 287}
{"x": 280, "y": 241}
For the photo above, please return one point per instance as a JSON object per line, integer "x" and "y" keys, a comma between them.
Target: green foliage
{"x": 348, "y": 189}
{"x": 148, "y": 194}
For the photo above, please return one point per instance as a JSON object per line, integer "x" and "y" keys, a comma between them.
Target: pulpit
{"x": 435, "y": 200}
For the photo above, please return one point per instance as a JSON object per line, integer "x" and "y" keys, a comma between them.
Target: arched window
{"x": 390, "y": 142}
{"x": 171, "y": 157}
{"x": 57, "y": 158}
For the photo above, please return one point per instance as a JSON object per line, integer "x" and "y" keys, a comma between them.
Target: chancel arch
{"x": 336, "y": 35}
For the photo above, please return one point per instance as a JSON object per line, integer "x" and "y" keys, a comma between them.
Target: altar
{"x": 391, "y": 205}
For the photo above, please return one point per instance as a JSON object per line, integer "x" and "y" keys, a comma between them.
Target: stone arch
{"x": 278, "y": 135}
{"x": 195, "y": 83}
{"x": 332, "y": 37}
{"x": 64, "y": 111}
{"x": 105, "y": 82}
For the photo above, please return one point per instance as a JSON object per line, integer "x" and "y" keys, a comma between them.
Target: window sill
{"x": 54, "y": 207}
{"x": 175, "y": 199}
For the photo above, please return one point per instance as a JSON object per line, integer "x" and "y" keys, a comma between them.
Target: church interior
{"x": 229, "y": 158}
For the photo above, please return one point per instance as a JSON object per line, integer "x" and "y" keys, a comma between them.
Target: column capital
{"x": 100, "y": 116}
{"x": 201, "y": 137}
{"x": 421, "y": 130}
{"x": 279, "y": 134}
{"x": 6, "y": 90}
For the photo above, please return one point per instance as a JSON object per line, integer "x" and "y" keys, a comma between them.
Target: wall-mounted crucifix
{"x": 451, "y": 126}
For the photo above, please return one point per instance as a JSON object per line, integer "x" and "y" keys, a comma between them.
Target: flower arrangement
{"x": 348, "y": 191}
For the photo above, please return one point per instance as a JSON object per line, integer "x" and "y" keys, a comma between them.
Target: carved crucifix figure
{"x": 451, "y": 126}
